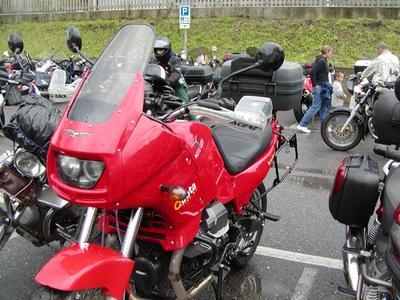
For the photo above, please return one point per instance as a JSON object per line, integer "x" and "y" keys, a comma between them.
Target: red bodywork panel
{"x": 76, "y": 269}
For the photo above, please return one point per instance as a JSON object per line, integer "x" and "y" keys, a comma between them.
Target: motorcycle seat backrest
{"x": 240, "y": 147}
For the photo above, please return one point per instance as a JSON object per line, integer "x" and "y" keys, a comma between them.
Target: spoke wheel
{"x": 249, "y": 241}
{"x": 342, "y": 141}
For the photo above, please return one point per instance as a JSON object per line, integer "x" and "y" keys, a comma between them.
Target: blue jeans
{"x": 321, "y": 102}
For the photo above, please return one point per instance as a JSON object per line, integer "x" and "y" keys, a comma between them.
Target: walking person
{"x": 321, "y": 89}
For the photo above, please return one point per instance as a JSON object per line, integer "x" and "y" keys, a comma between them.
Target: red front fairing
{"x": 141, "y": 154}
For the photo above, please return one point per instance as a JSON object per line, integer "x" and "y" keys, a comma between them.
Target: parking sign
{"x": 184, "y": 16}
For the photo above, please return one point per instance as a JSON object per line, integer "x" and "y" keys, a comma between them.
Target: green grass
{"x": 352, "y": 39}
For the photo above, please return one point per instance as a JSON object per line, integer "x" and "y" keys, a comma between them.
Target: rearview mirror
{"x": 74, "y": 40}
{"x": 15, "y": 43}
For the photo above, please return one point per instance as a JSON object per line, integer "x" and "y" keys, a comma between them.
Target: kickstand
{"x": 221, "y": 273}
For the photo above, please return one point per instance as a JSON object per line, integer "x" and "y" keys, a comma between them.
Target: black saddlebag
{"x": 355, "y": 190}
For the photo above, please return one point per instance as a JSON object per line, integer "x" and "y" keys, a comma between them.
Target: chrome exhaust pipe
{"x": 176, "y": 280}
{"x": 351, "y": 268}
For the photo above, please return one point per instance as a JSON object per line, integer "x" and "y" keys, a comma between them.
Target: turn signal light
{"x": 176, "y": 193}
{"x": 396, "y": 215}
{"x": 340, "y": 175}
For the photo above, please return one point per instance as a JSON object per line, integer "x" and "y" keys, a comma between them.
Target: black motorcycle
{"x": 353, "y": 199}
{"x": 30, "y": 207}
{"x": 344, "y": 128}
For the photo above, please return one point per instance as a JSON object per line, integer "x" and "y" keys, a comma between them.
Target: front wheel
{"x": 2, "y": 119}
{"x": 341, "y": 141}
{"x": 250, "y": 240}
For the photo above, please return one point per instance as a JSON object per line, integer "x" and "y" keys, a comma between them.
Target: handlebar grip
{"x": 385, "y": 151}
{"x": 208, "y": 104}
{"x": 4, "y": 74}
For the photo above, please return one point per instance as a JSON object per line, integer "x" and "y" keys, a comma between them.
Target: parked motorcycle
{"x": 354, "y": 195}
{"x": 178, "y": 202}
{"x": 30, "y": 207}
{"x": 344, "y": 128}
{"x": 306, "y": 100}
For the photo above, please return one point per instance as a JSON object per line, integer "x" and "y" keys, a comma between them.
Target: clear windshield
{"x": 126, "y": 55}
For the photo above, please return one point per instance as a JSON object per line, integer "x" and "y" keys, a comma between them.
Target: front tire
{"x": 341, "y": 141}
{"x": 6, "y": 229}
{"x": 45, "y": 293}
{"x": 240, "y": 261}
{"x": 304, "y": 105}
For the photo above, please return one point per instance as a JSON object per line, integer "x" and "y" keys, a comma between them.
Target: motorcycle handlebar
{"x": 4, "y": 74}
{"x": 386, "y": 152}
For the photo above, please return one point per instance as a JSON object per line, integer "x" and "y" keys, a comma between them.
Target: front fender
{"x": 76, "y": 269}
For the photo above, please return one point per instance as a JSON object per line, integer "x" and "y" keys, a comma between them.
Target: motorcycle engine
{"x": 151, "y": 264}
{"x": 213, "y": 230}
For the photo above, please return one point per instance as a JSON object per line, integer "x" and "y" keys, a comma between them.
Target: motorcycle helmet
{"x": 162, "y": 47}
{"x": 270, "y": 56}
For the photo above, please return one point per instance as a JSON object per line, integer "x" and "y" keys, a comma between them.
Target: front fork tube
{"x": 87, "y": 226}
{"x": 352, "y": 114}
{"x": 130, "y": 235}
{"x": 131, "y": 232}
{"x": 355, "y": 109}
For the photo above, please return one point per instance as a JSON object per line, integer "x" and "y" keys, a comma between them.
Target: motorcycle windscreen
{"x": 110, "y": 78}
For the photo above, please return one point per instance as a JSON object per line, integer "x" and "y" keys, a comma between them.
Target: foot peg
{"x": 346, "y": 291}
{"x": 271, "y": 217}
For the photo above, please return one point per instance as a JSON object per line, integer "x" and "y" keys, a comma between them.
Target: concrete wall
{"x": 268, "y": 13}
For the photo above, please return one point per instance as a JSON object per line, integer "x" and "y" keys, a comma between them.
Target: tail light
{"x": 380, "y": 211}
{"x": 396, "y": 215}
{"x": 227, "y": 57}
{"x": 340, "y": 175}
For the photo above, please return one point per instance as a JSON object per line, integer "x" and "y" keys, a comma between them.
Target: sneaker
{"x": 303, "y": 129}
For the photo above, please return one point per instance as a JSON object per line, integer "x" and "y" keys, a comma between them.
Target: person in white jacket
{"x": 385, "y": 67}
{"x": 338, "y": 95}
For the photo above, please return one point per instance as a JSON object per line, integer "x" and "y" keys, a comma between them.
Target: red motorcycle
{"x": 306, "y": 100}
{"x": 175, "y": 191}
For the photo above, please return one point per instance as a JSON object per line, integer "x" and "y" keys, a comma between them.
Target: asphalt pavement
{"x": 299, "y": 257}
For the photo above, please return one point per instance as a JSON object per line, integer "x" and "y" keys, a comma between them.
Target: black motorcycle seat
{"x": 240, "y": 147}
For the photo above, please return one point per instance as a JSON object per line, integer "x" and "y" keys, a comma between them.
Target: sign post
{"x": 184, "y": 21}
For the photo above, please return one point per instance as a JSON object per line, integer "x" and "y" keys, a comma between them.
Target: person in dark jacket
{"x": 321, "y": 89}
{"x": 167, "y": 59}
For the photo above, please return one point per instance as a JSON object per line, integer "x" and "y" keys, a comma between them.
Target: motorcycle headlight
{"x": 28, "y": 164}
{"x": 78, "y": 172}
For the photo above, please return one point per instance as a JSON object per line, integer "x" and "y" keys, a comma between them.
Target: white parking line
{"x": 300, "y": 257}
{"x": 305, "y": 284}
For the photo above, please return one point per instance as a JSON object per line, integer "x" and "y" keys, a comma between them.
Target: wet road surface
{"x": 299, "y": 257}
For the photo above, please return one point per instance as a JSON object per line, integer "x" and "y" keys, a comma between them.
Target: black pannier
{"x": 197, "y": 74}
{"x": 284, "y": 86}
{"x": 355, "y": 191}
{"x": 386, "y": 118}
